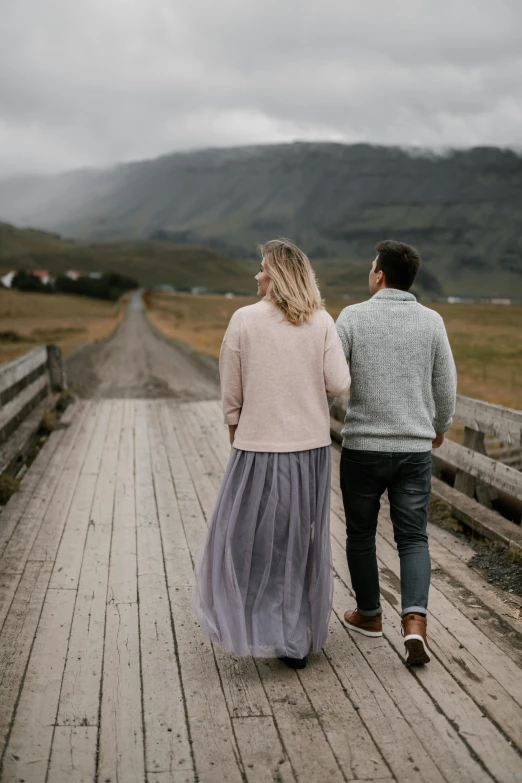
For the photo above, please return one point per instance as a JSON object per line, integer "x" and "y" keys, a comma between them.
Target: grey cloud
{"x": 96, "y": 82}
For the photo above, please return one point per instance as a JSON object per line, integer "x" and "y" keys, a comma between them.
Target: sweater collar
{"x": 394, "y": 295}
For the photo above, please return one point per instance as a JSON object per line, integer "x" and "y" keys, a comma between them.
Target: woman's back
{"x": 275, "y": 378}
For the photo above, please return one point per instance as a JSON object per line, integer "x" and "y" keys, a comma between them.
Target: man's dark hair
{"x": 399, "y": 262}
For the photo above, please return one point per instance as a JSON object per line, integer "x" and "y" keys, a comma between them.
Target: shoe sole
{"x": 416, "y": 649}
{"x": 372, "y": 634}
{"x": 293, "y": 663}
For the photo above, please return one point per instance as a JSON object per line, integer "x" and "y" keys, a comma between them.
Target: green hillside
{"x": 461, "y": 209}
{"x": 150, "y": 263}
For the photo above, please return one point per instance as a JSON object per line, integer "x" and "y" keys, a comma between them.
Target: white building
{"x": 8, "y": 279}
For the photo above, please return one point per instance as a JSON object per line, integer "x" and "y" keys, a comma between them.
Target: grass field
{"x": 28, "y": 320}
{"x": 486, "y": 339}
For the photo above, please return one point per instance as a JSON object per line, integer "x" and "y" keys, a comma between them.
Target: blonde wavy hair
{"x": 293, "y": 285}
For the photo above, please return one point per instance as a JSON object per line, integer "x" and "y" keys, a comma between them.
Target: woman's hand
{"x": 232, "y": 434}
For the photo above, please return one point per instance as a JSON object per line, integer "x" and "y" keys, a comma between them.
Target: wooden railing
{"x": 478, "y": 476}
{"x": 29, "y": 386}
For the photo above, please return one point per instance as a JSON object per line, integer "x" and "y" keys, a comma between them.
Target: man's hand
{"x": 437, "y": 441}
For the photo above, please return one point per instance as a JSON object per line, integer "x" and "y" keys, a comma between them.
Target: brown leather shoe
{"x": 369, "y": 626}
{"x": 415, "y": 639}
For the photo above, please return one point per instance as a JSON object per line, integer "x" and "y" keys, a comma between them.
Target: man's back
{"x": 403, "y": 374}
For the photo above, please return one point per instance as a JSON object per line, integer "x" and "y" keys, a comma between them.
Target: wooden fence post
{"x": 469, "y": 485}
{"x": 56, "y": 368}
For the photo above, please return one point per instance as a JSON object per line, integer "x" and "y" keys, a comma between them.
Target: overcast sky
{"x": 92, "y": 82}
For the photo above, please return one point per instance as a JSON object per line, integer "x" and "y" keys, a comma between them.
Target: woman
{"x": 264, "y": 579}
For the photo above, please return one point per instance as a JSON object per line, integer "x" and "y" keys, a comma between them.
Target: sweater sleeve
{"x": 443, "y": 381}
{"x": 336, "y": 373}
{"x": 344, "y": 330}
{"x": 230, "y": 372}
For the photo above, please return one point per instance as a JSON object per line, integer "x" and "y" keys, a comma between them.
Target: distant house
{"x": 73, "y": 274}
{"x": 95, "y": 275}
{"x": 42, "y": 274}
{"x": 460, "y": 300}
{"x": 7, "y": 279}
{"x": 198, "y": 289}
{"x": 500, "y": 301}
{"x": 229, "y": 295}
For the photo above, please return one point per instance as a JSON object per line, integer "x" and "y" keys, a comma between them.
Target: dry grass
{"x": 28, "y": 320}
{"x": 199, "y": 321}
{"x": 8, "y": 486}
{"x": 486, "y": 339}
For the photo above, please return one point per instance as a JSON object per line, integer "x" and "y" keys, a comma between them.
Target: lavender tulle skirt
{"x": 264, "y": 580}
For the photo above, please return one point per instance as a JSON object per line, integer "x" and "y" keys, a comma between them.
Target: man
{"x": 402, "y": 401}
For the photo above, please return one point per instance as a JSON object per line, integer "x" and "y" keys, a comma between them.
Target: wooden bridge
{"x": 105, "y": 675}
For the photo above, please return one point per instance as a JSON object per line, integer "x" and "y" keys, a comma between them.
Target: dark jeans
{"x": 365, "y": 475}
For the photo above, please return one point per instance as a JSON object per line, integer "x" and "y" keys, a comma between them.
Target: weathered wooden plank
{"x": 202, "y": 439}
{"x": 504, "y": 423}
{"x": 215, "y": 752}
{"x": 353, "y": 746}
{"x": 122, "y": 585}
{"x": 68, "y": 559}
{"x": 55, "y": 368}
{"x": 178, "y": 565}
{"x": 121, "y": 738}
{"x": 121, "y": 741}
{"x": 48, "y": 503}
{"x": 264, "y": 758}
{"x": 205, "y": 489}
{"x": 214, "y": 429}
{"x": 497, "y": 474}
{"x": 18, "y": 446}
{"x": 14, "y": 510}
{"x": 16, "y": 370}
{"x": 465, "y": 482}
{"x": 449, "y": 554}
{"x": 73, "y": 755}
{"x": 20, "y": 404}
{"x": 188, "y": 503}
{"x": 174, "y": 776}
{"x": 479, "y": 518}
{"x": 298, "y": 724}
{"x": 167, "y": 747}
{"x": 79, "y": 699}
{"x": 29, "y": 747}
{"x": 240, "y": 682}
{"x": 18, "y": 635}
{"x": 8, "y": 586}
{"x": 73, "y": 496}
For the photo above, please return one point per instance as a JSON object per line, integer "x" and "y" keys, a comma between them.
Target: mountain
{"x": 461, "y": 209}
{"x": 150, "y": 263}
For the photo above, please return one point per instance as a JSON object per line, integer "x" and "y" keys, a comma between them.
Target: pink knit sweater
{"x": 275, "y": 378}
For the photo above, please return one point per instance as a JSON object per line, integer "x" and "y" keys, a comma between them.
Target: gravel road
{"x": 136, "y": 361}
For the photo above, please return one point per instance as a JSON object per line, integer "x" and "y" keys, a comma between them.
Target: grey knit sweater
{"x": 403, "y": 374}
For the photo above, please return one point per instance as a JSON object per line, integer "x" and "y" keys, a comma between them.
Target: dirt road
{"x": 138, "y": 362}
